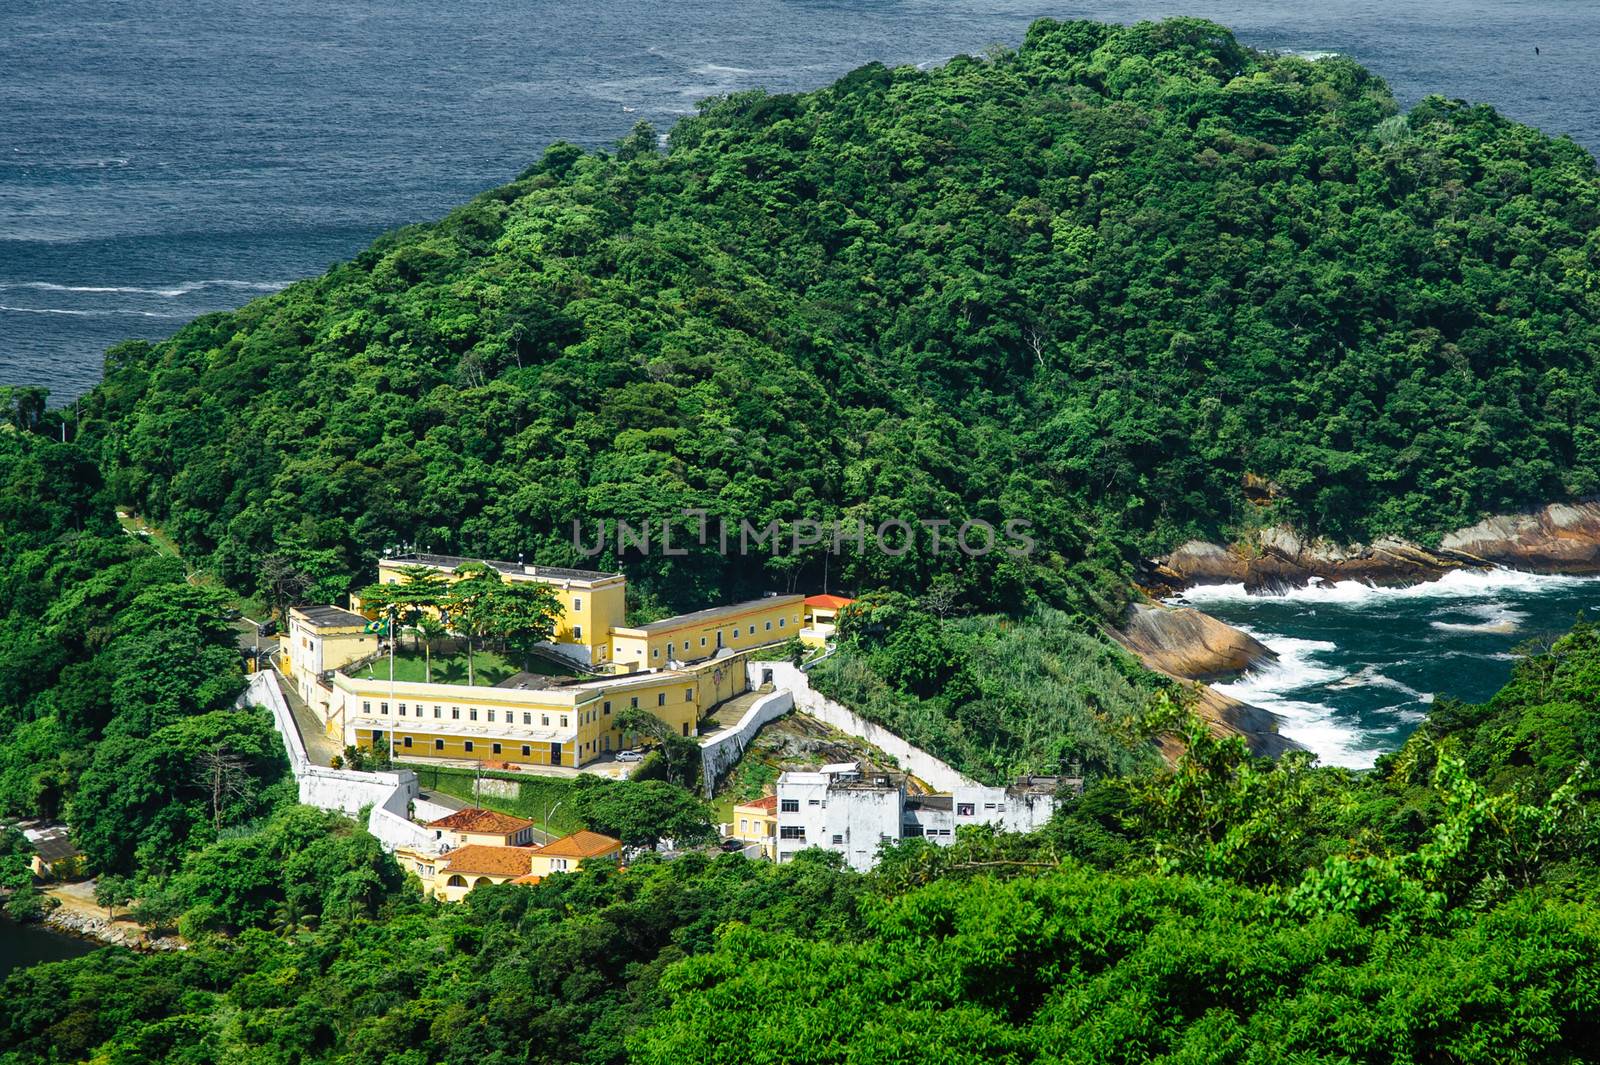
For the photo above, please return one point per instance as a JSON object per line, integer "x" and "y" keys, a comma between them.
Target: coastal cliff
{"x": 1187, "y": 645}
{"x": 1559, "y": 538}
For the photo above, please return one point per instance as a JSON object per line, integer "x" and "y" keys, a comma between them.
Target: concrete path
{"x": 320, "y": 747}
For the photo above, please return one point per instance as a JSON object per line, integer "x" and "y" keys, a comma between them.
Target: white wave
{"x": 181, "y": 289}
{"x": 1286, "y": 687}
{"x": 1313, "y": 54}
{"x": 1456, "y": 584}
{"x": 87, "y": 314}
{"x": 1369, "y": 677}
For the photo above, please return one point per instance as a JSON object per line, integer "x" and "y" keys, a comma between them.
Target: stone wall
{"x": 388, "y": 794}
{"x": 919, "y": 763}
{"x": 720, "y": 750}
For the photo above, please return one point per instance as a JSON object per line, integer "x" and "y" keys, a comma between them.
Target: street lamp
{"x": 549, "y": 811}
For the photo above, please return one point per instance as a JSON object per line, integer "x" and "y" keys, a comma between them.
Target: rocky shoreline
{"x": 1559, "y": 538}
{"x": 1185, "y": 644}
{"x": 87, "y": 926}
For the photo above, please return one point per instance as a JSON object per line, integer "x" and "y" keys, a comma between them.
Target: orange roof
{"x": 766, "y": 804}
{"x": 529, "y": 880}
{"x": 485, "y": 860}
{"x": 485, "y": 822}
{"x": 828, "y": 602}
{"x": 583, "y": 844}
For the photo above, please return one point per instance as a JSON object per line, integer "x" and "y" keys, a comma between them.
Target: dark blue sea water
{"x": 1358, "y": 667}
{"x": 22, "y": 945}
{"x": 164, "y": 158}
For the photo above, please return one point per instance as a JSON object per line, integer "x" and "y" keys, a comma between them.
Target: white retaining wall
{"x": 388, "y": 794}
{"x": 914, "y": 760}
{"x": 720, "y": 750}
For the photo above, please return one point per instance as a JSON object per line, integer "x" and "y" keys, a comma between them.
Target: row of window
{"x": 494, "y": 748}
{"x": 703, "y": 640}
{"x": 472, "y": 713}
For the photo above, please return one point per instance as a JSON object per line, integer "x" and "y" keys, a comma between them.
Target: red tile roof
{"x": 767, "y": 804}
{"x": 828, "y": 602}
{"x": 479, "y": 859}
{"x": 482, "y": 822}
{"x": 583, "y": 844}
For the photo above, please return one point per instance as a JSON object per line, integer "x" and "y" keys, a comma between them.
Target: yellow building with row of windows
{"x": 677, "y": 668}
{"x": 592, "y": 602}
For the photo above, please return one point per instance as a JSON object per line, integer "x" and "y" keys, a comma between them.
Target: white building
{"x": 839, "y": 808}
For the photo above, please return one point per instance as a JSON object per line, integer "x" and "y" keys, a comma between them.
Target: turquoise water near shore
{"x": 1358, "y": 667}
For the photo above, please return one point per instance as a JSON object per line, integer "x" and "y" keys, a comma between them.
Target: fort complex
{"x": 677, "y": 669}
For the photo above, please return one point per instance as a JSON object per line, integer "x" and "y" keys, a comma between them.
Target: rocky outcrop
{"x": 1278, "y": 558}
{"x": 1559, "y": 538}
{"x": 1185, "y": 643}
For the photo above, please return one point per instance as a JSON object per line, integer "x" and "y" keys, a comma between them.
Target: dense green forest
{"x": 1441, "y": 908}
{"x": 1089, "y": 283}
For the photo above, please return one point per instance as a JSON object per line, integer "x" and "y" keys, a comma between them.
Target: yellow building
{"x": 592, "y": 602}
{"x": 322, "y": 639}
{"x": 477, "y": 825}
{"x": 756, "y": 821}
{"x": 822, "y": 618}
{"x": 475, "y": 865}
{"x": 700, "y": 635}
{"x": 527, "y": 720}
{"x": 567, "y": 854}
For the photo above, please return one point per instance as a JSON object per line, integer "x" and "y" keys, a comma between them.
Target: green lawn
{"x": 536, "y": 795}
{"x": 490, "y": 667}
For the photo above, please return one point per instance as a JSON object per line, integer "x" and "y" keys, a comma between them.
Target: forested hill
{"x": 1091, "y": 282}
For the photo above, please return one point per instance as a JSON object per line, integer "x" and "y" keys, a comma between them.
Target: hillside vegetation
{"x": 1090, "y": 283}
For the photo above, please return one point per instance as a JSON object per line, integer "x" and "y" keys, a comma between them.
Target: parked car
{"x": 731, "y": 845}
{"x": 630, "y": 755}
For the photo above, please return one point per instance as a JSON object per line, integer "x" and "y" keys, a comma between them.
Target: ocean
{"x": 1358, "y": 667}
{"x": 162, "y": 159}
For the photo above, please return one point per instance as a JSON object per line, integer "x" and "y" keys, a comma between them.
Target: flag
{"x": 380, "y": 626}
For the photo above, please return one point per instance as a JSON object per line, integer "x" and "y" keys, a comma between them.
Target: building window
{"x": 467, "y": 746}
{"x": 436, "y": 712}
{"x": 401, "y": 709}
{"x": 406, "y": 742}
{"x": 527, "y": 752}
{"x": 769, "y": 626}
{"x": 838, "y": 840}
{"x": 780, "y": 623}
{"x": 656, "y": 653}
{"x": 366, "y": 708}
{"x": 383, "y": 708}
{"x": 688, "y": 695}
{"x": 789, "y": 806}
{"x": 577, "y": 632}
{"x": 744, "y": 824}
{"x": 911, "y": 831}
{"x": 577, "y": 604}
{"x": 472, "y": 713}
{"x": 791, "y": 831}
{"x": 752, "y": 630}
{"x": 544, "y": 719}
{"x": 661, "y": 699}
{"x": 702, "y": 641}
{"x": 635, "y": 701}
{"x": 491, "y": 715}
{"x": 455, "y": 713}
{"x": 527, "y": 718}
{"x": 495, "y": 747}
{"x": 813, "y": 802}
{"x": 608, "y": 707}
{"x": 563, "y": 720}
{"x": 457, "y": 880}
{"x": 438, "y": 745}
{"x": 966, "y": 809}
